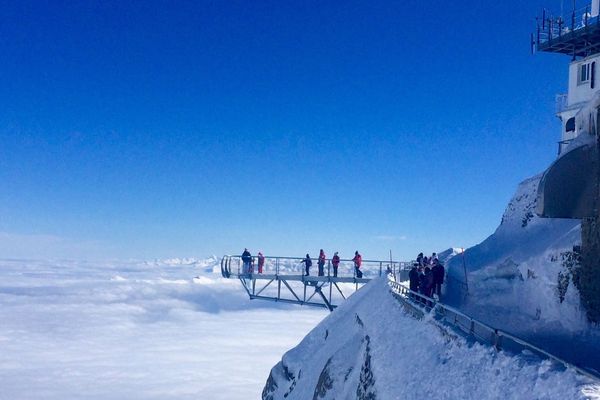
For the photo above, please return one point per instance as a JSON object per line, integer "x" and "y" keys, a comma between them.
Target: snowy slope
{"x": 513, "y": 280}
{"x": 370, "y": 349}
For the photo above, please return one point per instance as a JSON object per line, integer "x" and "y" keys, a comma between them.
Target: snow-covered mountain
{"x": 521, "y": 279}
{"x": 369, "y": 348}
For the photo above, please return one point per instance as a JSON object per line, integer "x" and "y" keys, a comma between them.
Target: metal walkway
{"x": 419, "y": 305}
{"x": 283, "y": 279}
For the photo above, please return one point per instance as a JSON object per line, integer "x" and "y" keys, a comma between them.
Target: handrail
{"x": 496, "y": 337}
{"x": 550, "y": 27}
{"x": 283, "y": 265}
{"x": 328, "y": 259}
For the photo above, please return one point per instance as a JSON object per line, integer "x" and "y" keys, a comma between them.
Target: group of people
{"x": 427, "y": 276}
{"x": 248, "y": 263}
{"x": 335, "y": 263}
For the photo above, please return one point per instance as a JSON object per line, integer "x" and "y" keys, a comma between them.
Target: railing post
{"x": 586, "y": 16}
{"x": 380, "y": 267}
{"x": 496, "y": 339}
{"x": 329, "y": 269}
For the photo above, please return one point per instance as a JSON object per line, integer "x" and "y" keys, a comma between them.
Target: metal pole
{"x": 330, "y": 289}
{"x": 465, "y": 270}
{"x": 304, "y": 299}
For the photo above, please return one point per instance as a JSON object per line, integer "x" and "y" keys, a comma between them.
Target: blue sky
{"x": 170, "y": 129}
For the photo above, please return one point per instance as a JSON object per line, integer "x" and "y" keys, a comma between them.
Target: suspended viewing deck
{"x": 283, "y": 280}
{"x": 576, "y": 34}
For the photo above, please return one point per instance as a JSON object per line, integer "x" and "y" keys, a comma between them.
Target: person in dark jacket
{"x": 246, "y": 262}
{"x": 438, "y": 277}
{"x": 420, "y": 259}
{"x": 433, "y": 258}
{"x": 335, "y": 261}
{"x": 321, "y": 262}
{"x": 308, "y": 263}
{"x": 413, "y": 278}
{"x": 426, "y": 282}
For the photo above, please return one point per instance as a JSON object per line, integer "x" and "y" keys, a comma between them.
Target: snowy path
{"x": 139, "y": 331}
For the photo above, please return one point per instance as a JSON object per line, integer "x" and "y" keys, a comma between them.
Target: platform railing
{"x": 561, "y": 102}
{"x": 480, "y": 331}
{"x": 232, "y": 265}
{"x": 551, "y": 27}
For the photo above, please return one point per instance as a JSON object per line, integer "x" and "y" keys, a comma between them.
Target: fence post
{"x": 329, "y": 269}
{"x": 380, "y": 266}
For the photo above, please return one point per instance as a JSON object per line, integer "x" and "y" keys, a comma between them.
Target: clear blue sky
{"x": 168, "y": 129}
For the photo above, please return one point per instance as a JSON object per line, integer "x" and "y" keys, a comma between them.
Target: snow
{"x": 513, "y": 276}
{"x": 371, "y": 346}
{"x": 146, "y": 330}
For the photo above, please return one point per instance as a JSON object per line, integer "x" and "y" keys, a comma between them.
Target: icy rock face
{"x": 517, "y": 268}
{"x": 369, "y": 348}
{"x": 347, "y": 369}
{"x": 518, "y": 278}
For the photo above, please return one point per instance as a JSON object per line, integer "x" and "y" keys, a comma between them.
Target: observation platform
{"x": 283, "y": 279}
{"x": 576, "y": 34}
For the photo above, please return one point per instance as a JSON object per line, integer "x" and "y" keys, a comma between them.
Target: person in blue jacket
{"x": 308, "y": 263}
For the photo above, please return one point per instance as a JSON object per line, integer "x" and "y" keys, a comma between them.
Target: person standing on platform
{"x": 438, "y": 277}
{"x": 308, "y": 263}
{"x": 413, "y": 279}
{"x": 246, "y": 262}
{"x": 420, "y": 260}
{"x": 433, "y": 258}
{"x": 261, "y": 262}
{"x": 321, "y": 262}
{"x": 428, "y": 282}
{"x": 357, "y": 263}
{"x": 335, "y": 261}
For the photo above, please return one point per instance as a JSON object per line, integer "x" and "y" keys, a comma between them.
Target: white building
{"x": 578, "y": 35}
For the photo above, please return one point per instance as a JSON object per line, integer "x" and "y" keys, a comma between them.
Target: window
{"x": 584, "y": 74}
{"x": 570, "y": 125}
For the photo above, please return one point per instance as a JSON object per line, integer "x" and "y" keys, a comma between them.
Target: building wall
{"x": 564, "y": 117}
{"x": 578, "y": 95}
{"x": 581, "y": 92}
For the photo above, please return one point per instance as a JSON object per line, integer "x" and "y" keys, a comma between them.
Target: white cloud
{"x": 123, "y": 330}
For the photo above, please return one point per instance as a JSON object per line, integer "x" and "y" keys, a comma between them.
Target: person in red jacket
{"x": 357, "y": 263}
{"x": 335, "y": 261}
{"x": 321, "y": 262}
{"x": 261, "y": 262}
